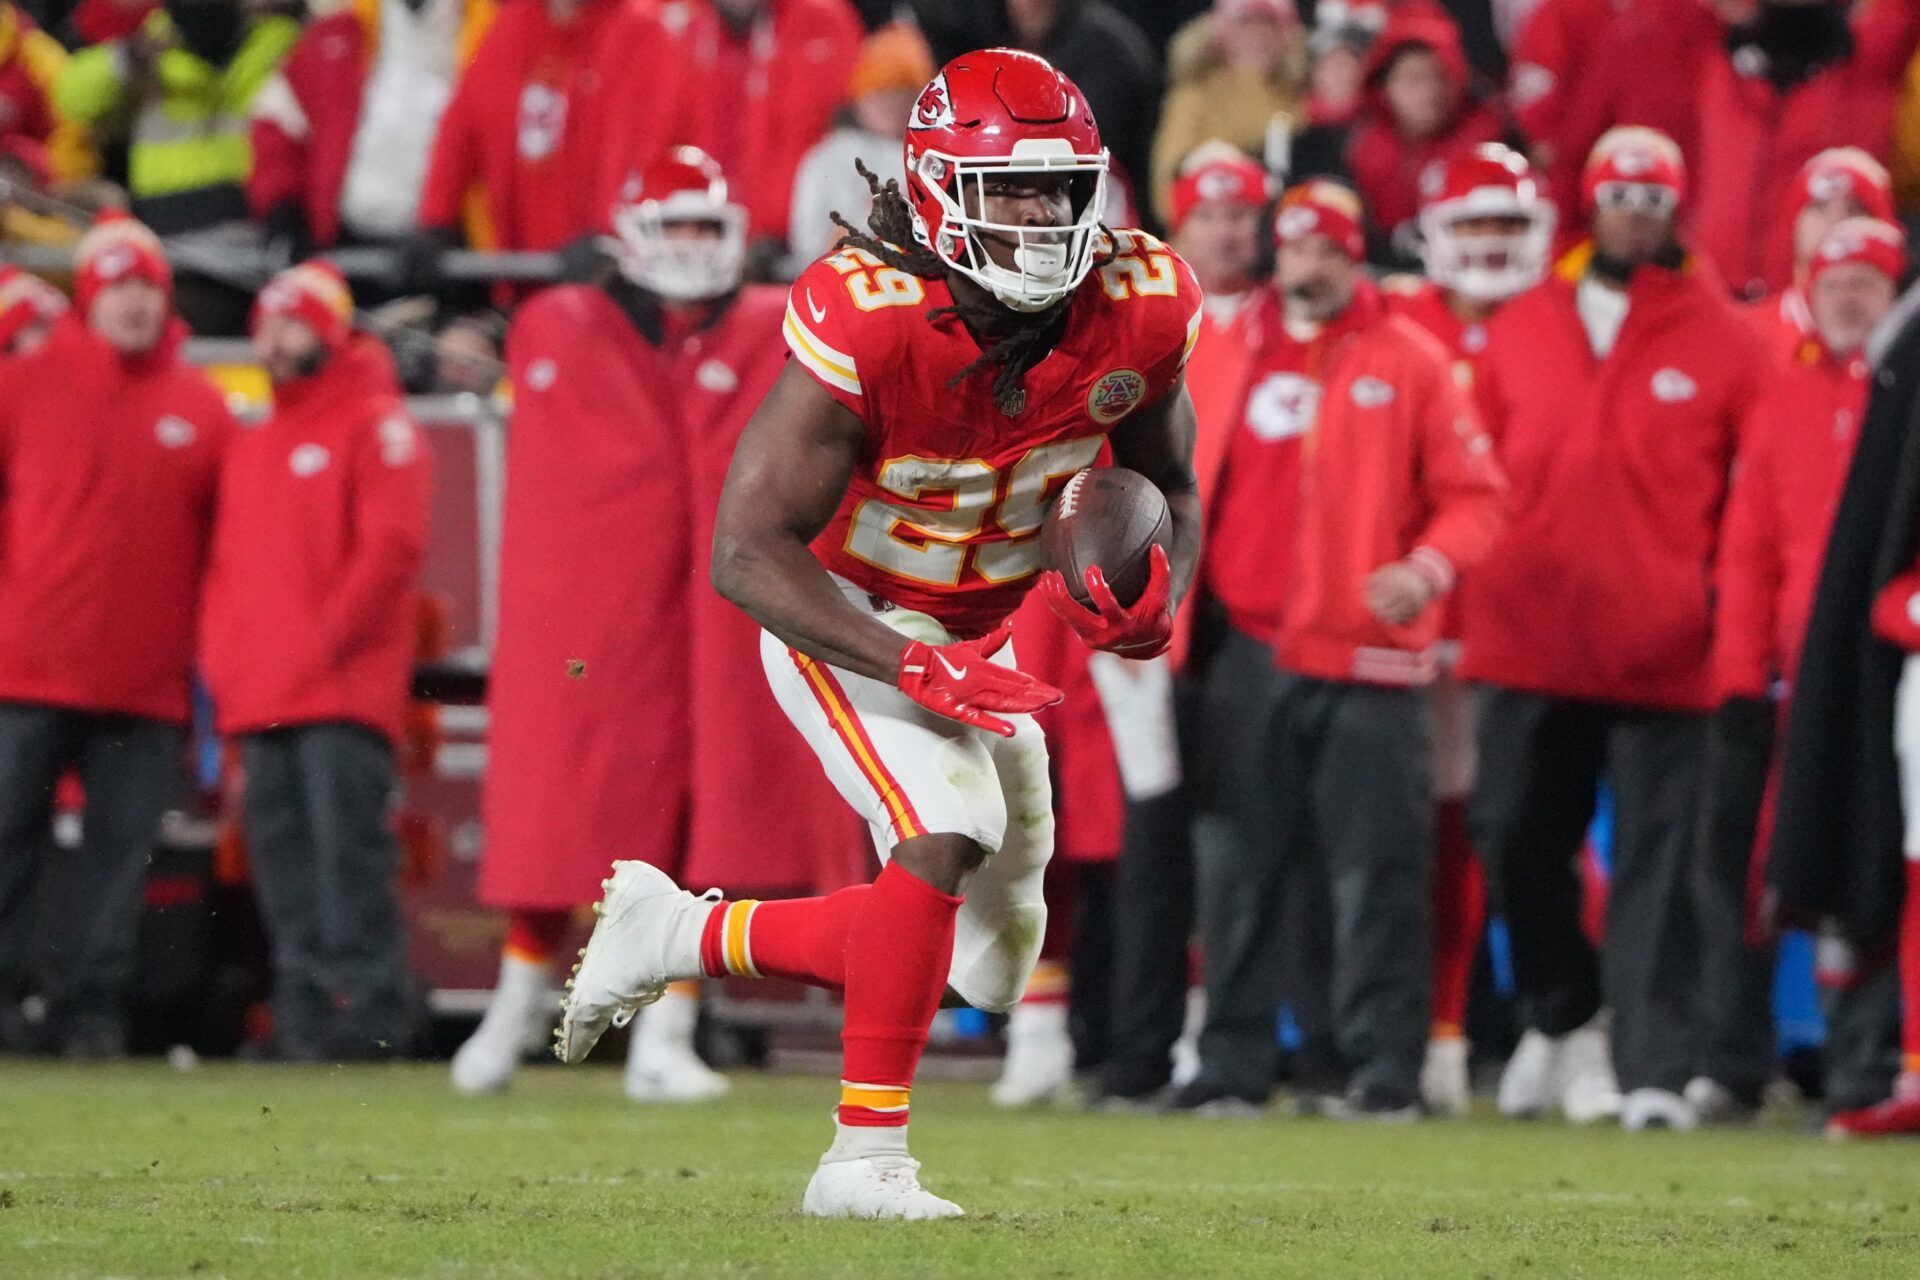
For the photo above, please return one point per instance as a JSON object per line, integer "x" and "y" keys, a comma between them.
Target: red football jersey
{"x": 944, "y": 509}
{"x": 1425, "y": 303}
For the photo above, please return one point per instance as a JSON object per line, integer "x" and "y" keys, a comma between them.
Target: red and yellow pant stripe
{"x": 845, "y": 721}
{"x": 726, "y": 945}
{"x": 872, "y": 1105}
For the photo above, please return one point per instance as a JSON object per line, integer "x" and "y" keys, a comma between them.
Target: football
{"x": 1111, "y": 517}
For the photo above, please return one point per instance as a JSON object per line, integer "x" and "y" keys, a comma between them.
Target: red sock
{"x": 898, "y": 952}
{"x": 1459, "y": 915}
{"x": 1910, "y": 972}
{"x": 801, "y": 939}
{"x": 534, "y": 935}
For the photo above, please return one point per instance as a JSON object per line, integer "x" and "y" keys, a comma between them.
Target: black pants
{"x": 1862, "y": 1053}
{"x": 324, "y": 862}
{"x": 130, "y": 770}
{"x": 1541, "y": 761}
{"x": 1152, "y": 924}
{"x": 1736, "y": 972}
{"x": 1319, "y": 893}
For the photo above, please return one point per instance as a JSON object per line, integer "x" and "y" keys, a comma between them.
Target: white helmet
{"x": 684, "y": 186}
{"x": 1492, "y": 181}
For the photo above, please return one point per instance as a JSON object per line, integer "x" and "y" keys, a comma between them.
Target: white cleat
{"x": 882, "y": 1186}
{"x": 661, "y": 1063}
{"x": 1530, "y": 1084}
{"x": 1444, "y": 1084}
{"x": 515, "y": 1027}
{"x": 1715, "y": 1104}
{"x": 640, "y": 943}
{"x": 1039, "y": 1062}
{"x": 1646, "y": 1109}
{"x": 1590, "y": 1093}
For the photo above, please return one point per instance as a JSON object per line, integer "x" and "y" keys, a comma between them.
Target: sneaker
{"x": 1444, "y": 1085}
{"x": 884, "y": 1186}
{"x": 1315, "y": 1104}
{"x": 1039, "y": 1062}
{"x": 1125, "y": 1085}
{"x": 1715, "y": 1104}
{"x": 514, "y": 1027}
{"x": 1588, "y": 1091}
{"x": 1899, "y": 1114}
{"x": 1202, "y": 1097}
{"x": 1145, "y": 1102}
{"x": 662, "y": 1065}
{"x": 647, "y": 935}
{"x": 1530, "y": 1084}
{"x": 1646, "y": 1109}
{"x": 1377, "y": 1104}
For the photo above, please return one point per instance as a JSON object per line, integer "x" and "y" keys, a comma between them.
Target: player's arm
{"x": 1157, "y": 441}
{"x": 789, "y": 473}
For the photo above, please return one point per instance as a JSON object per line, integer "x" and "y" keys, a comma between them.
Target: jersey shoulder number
{"x": 839, "y": 313}
{"x": 1152, "y": 291}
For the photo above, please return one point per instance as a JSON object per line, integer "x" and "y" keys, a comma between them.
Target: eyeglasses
{"x": 1636, "y": 197}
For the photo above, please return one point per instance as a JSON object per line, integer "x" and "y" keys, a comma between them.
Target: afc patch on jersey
{"x": 1116, "y": 395}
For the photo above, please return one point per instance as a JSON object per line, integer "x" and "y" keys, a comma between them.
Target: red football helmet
{"x": 652, "y": 216}
{"x": 1493, "y": 181}
{"x": 995, "y": 112}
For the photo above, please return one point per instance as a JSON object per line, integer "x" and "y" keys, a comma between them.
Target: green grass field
{"x": 280, "y": 1172}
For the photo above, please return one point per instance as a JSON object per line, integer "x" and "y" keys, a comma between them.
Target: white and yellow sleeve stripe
{"x": 1193, "y": 336}
{"x": 835, "y": 368}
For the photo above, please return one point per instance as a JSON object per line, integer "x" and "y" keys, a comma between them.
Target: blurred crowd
{"x": 1540, "y": 339}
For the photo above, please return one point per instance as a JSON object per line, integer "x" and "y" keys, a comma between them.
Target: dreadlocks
{"x": 1023, "y": 338}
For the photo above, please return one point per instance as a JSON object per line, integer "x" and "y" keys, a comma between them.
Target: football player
{"x": 952, "y": 371}
{"x": 1486, "y": 231}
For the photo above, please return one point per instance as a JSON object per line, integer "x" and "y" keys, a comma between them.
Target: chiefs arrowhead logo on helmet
{"x": 934, "y": 110}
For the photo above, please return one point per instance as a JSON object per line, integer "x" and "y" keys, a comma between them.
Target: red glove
{"x": 1143, "y": 631}
{"x": 958, "y": 681}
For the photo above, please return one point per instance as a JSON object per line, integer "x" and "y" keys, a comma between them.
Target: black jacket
{"x": 1837, "y": 836}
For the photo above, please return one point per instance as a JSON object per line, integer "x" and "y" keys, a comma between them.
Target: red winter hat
{"x": 1636, "y": 155}
{"x": 313, "y": 292}
{"x": 1879, "y": 244}
{"x": 1218, "y": 173}
{"x": 1846, "y": 171}
{"x": 25, "y": 298}
{"x": 117, "y": 248}
{"x": 1321, "y": 208}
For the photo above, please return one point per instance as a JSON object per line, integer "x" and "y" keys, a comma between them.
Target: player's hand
{"x": 1397, "y": 593}
{"x": 1143, "y": 631}
{"x": 958, "y": 681}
